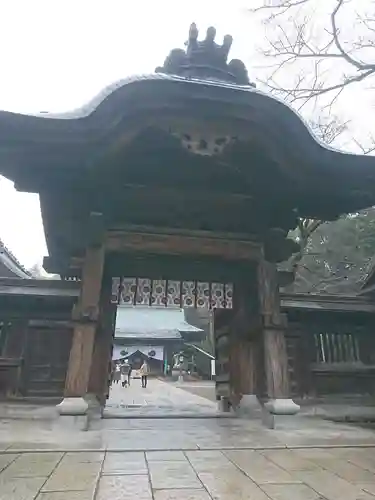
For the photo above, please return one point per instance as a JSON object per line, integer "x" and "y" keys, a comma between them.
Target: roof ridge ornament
{"x": 206, "y": 60}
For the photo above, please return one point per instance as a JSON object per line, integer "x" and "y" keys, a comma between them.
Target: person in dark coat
{"x": 129, "y": 373}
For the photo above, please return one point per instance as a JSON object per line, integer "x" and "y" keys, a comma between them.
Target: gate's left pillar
{"x": 74, "y": 407}
{"x": 102, "y": 356}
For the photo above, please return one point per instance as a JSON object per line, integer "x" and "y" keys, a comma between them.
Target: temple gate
{"x": 189, "y": 181}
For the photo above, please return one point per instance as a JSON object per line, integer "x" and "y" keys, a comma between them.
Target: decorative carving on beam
{"x": 206, "y": 60}
{"x": 130, "y": 291}
{"x": 204, "y": 145}
{"x": 183, "y": 245}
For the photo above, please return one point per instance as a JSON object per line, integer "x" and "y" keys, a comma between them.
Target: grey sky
{"x": 58, "y": 54}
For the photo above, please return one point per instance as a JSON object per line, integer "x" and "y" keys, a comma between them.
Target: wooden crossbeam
{"x": 121, "y": 241}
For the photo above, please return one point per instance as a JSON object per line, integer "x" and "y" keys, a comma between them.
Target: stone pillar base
{"x": 278, "y": 411}
{"x": 282, "y": 407}
{"x": 73, "y": 422}
{"x": 73, "y": 413}
{"x": 223, "y": 405}
{"x": 95, "y": 409}
{"x": 249, "y": 406}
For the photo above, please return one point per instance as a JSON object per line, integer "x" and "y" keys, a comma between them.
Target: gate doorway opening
{"x": 152, "y": 326}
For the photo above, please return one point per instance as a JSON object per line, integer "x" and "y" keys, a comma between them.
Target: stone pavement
{"x": 278, "y": 474}
{"x": 203, "y": 388}
{"x": 184, "y": 458}
{"x": 159, "y": 399}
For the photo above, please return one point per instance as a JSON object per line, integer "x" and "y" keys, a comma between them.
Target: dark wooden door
{"x": 46, "y": 360}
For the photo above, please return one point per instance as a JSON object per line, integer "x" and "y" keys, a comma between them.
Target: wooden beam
{"x": 86, "y": 316}
{"x": 274, "y": 324}
{"x": 64, "y": 265}
{"x": 149, "y": 192}
{"x": 198, "y": 233}
{"x": 118, "y": 241}
{"x": 175, "y": 267}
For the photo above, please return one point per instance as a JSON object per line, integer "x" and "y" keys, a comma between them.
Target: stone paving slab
{"x": 173, "y": 475}
{"x": 33, "y": 465}
{"x": 290, "y": 492}
{"x": 73, "y": 477}
{"x": 124, "y": 488}
{"x": 119, "y": 463}
{"x": 65, "y": 495}
{"x": 7, "y": 459}
{"x": 259, "y": 468}
{"x": 12, "y": 488}
{"x": 303, "y": 474}
{"x": 160, "y": 456}
{"x": 181, "y": 495}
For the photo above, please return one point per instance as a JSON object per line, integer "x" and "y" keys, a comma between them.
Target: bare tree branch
{"x": 335, "y": 33}
{"x": 283, "y": 6}
{"x": 296, "y": 44}
{"x": 366, "y": 150}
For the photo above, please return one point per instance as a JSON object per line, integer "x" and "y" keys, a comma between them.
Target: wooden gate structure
{"x": 188, "y": 180}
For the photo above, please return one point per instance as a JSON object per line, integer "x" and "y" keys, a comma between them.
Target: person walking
{"x": 129, "y": 372}
{"x": 117, "y": 374}
{"x": 124, "y": 374}
{"x": 144, "y": 371}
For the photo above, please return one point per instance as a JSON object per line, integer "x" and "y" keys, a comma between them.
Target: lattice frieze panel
{"x": 143, "y": 293}
{"x": 203, "y": 295}
{"x": 228, "y": 296}
{"x": 188, "y": 294}
{"x": 158, "y": 297}
{"x": 170, "y": 293}
{"x": 217, "y": 296}
{"x": 115, "y": 294}
{"x": 128, "y": 291}
{"x": 174, "y": 294}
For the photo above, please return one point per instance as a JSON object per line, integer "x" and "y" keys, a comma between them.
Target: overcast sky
{"x": 57, "y": 54}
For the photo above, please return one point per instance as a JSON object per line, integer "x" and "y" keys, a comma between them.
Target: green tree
{"x": 337, "y": 255}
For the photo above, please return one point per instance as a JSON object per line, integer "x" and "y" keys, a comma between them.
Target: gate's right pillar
{"x": 275, "y": 353}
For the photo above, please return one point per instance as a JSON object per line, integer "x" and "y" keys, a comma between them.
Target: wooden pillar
{"x": 274, "y": 324}
{"x": 102, "y": 355}
{"x": 246, "y": 330}
{"x": 222, "y": 319}
{"x": 247, "y": 367}
{"x": 86, "y": 315}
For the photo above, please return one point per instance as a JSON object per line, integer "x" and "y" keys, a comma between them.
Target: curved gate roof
{"x": 290, "y": 168}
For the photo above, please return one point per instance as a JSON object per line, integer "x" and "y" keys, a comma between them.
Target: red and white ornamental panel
{"x": 169, "y": 293}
